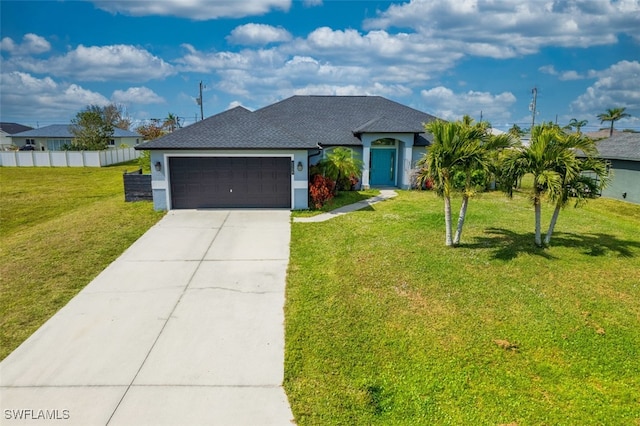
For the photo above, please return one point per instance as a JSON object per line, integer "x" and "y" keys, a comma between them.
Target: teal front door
{"x": 383, "y": 167}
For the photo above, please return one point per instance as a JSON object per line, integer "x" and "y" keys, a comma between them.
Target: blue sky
{"x": 444, "y": 57}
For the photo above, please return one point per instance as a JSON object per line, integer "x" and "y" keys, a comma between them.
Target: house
{"x": 7, "y": 130}
{"x": 240, "y": 158}
{"x": 56, "y": 136}
{"x": 622, "y": 152}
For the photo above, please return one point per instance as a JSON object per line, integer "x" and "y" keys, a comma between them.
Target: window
{"x": 57, "y": 144}
{"x": 384, "y": 142}
{"x": 30, "y": 142}
{"x": 112, "y": 142}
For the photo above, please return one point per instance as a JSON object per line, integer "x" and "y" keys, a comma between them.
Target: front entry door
{"x": 383, "y": 167}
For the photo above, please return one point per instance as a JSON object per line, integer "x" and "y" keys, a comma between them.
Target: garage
{"x": 230, "y": 182}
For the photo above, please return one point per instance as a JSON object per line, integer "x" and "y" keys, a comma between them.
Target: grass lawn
{"x": 342, "y": 199}
{"x": 59, "y": 227}
{"x": 385, "y": 325}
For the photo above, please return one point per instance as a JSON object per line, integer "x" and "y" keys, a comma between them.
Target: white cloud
{"x": 504, "y": 29}
{"x": 136, "y": 95}
{"x": 198, "y": 10}
{"x": 234, "y": 104}
{"x": 258, "y": 34}
{"x": 571, "y": 75}
{"x": 375, "y": 89}
{"x": 24, "y": 95}
{"x": 548, "y": 69}
{"x": 567, "y": 75}
{"x": 205, "y": 62}
{"x": 312, "y": 3}
{"x": 445, "y": 103}
{"x": 32, "y": 44}
{"x": 7, "y": 44}
{"x": 100, "y": 63}
{"x": 617, "y": 86}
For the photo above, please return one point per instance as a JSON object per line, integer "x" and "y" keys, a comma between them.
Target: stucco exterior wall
{"x": 5, "y": 140}
{"x": 127, "y": 141}
{"x": 625, "y": 183}
{"x": 160, "y": 184}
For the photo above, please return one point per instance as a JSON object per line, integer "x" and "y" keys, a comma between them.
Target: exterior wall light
{"x": 300, "y": 166}
{"x": 158, "y": 166}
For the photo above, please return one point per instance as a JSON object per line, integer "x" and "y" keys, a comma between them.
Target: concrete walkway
{"x": 385, "y": 194}
{"x": 185, "y": 328}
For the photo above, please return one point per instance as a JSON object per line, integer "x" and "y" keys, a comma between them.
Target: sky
{"x": 447, "y": 58}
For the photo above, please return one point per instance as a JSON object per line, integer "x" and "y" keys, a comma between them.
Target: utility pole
{"x": 532, "y": 106}
{"x": 199, "y": 102}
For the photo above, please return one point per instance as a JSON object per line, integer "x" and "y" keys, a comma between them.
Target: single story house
{"x": 622, "y": 152}
{"x": 55, "y": 136}
{"x": 7, "y": 130}
{"x": 240, "y": 158}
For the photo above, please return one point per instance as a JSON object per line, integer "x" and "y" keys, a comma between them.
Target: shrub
{"x": 341, "y": 166}
{"x": 144, "y": 161}
{"x": 347, "y": 183}
{"x": 478, "y": 180}
{"x": 320, "y": 191}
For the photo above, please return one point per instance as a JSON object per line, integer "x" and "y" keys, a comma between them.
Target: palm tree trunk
{"x": 538, "y": 209}
{"x": 447, "y": 220}
{"x": 461, "y": 217}
{"x": 554, "y": 219}
{"x": 611, "y": 129}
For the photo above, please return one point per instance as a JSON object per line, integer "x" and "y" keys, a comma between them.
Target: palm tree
{"x": 172, "y": 122}
{"x": 516, "y": 131}
{"x": 480, "y": 153}
{"x": 460, "y": 146}
{"x": 586, "y": 181}
{"x": 613, "y": 115}
{"x": 340, "y": 164}
{"x": 551, "y": 159}
{"x": 577, "y": 124}
{"x": 438, "y": 163}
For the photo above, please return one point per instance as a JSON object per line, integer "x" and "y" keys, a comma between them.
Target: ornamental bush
{"x": 320, "y": 191}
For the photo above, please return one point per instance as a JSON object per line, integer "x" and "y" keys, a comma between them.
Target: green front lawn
{"x": 59, "y": 227}
{"x": 385, "y": 325}
{"x": 342, "y": 199}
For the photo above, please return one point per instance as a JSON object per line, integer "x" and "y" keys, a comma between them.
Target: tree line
{"x": 93, "y": 127}
{"x": 610, "y": 115}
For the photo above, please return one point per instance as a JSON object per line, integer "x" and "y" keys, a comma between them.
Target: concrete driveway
{"x": 185, "y": 328}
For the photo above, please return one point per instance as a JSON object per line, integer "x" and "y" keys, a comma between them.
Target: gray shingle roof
{"x": 621, "y": 146}
{"x": 333, "y": 120}
{"x": 299, "y": 122}
{"x": 237, "y": 128}
{"x": 62, "y": 131}
{"x": 13, "y": 128}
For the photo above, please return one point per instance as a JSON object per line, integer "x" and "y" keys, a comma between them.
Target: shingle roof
{"x": 623, "y": 146}
{"x": 237, "y": 128}
{"x": 62, "y": 131}
{"x": 13, "y": 128}
{"x": 333, "y": 120}
{"x": 298, "y": 122}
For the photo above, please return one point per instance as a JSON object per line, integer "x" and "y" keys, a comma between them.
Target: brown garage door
{"x": 228, "y": 182}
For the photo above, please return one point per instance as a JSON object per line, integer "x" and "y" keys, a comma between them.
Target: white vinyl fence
{"x": 67, "y": 158}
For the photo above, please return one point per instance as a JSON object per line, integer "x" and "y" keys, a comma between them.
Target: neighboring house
{"x": 7, "y": 130}
{"x": 56, "y": 136}
{"x": 622, "y": 152}
{"x": 240, "y": 158}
